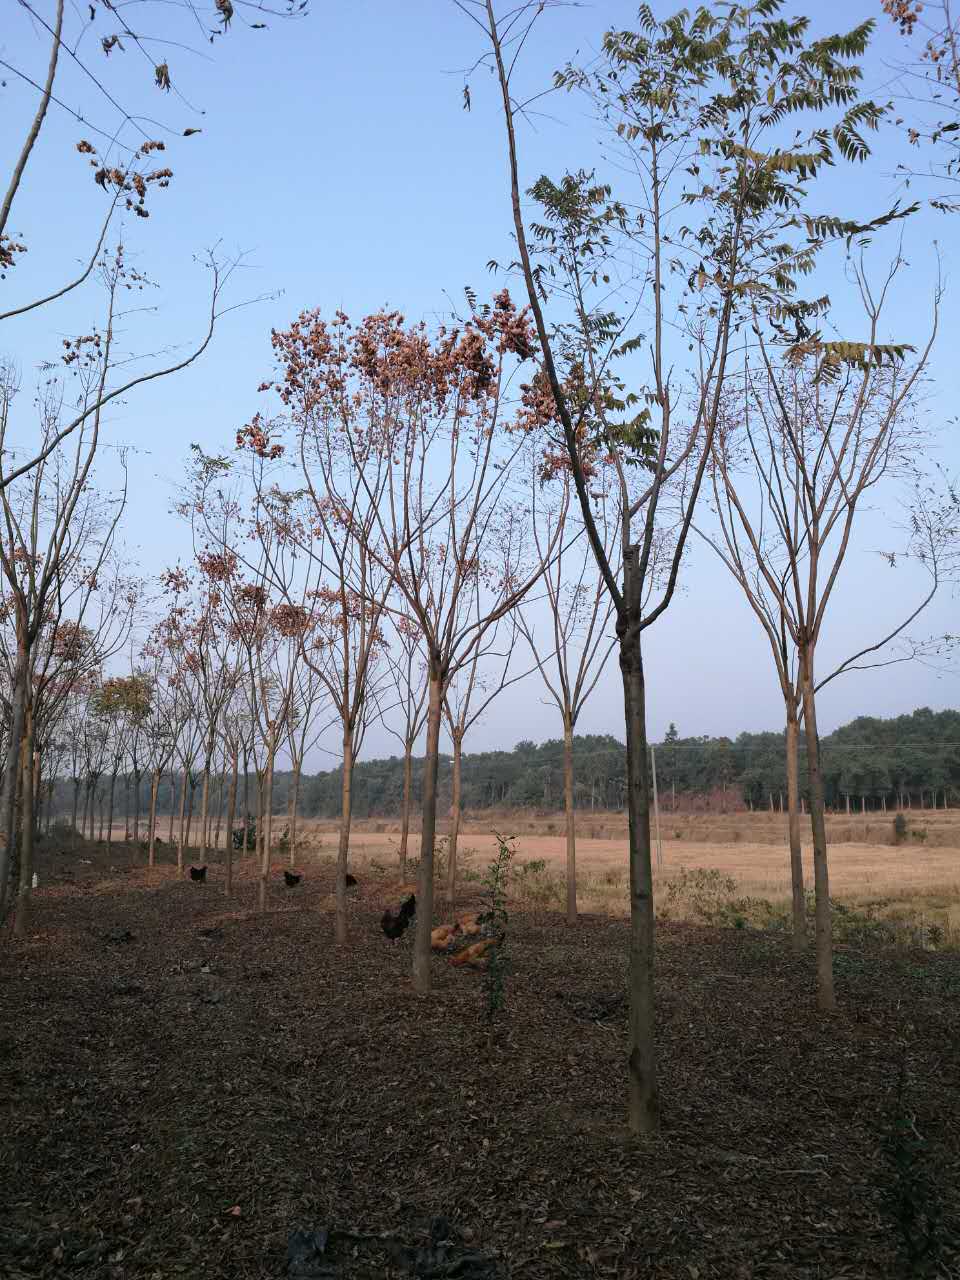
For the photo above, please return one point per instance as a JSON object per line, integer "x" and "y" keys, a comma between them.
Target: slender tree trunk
{"x": 8, "y": 802}
{"x": 455, "y": 817}
{"x": 405, "y": 806}
{"x": 343, "y": 849}
{"x": 294, "y": 809}
{"x": 265, "y": 822}
{"x": 183, "y": 811}
{"x": 223, "y": 778}
{"x": 824, "y": 928}
{"x": 86, "y": 822}
{"x": 205, "y": 805}
{"x": 113, "y": 788}
{"x": 231, "y": 806}
{"x": 793, "y": 823}
{"x": 126, "y": 808}
{"x": 22, "y": 916}
{"x": 76, "y": 805}
{"x": 137, "y": 775}
{"x": 571, "y": 819}
{"x": 421, "y": 946}
{"x": 643, "y": 1091}
{"x": 38, "y": 805}
{"x": 152, "y": 832}
{"x": 246, "y": 794}
{"x": 173, "y": 807}
{"x": 193, "y": 788}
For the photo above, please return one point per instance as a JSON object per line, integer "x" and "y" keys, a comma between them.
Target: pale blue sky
{"x": 335, "y": 153}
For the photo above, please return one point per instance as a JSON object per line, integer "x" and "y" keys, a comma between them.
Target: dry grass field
{"x": 920, "y": 877}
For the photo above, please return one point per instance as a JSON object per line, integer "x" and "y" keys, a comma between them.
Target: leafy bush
{"x": 899, "y": 829}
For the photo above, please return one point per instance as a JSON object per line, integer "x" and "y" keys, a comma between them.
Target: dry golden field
{"x": 920, "y": 875}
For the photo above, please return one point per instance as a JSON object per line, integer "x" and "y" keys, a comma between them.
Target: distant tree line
{"x": 910, "y": 761}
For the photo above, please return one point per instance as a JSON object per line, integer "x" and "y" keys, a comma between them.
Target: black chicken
{"x": 352, "y": 881}
{"x": 291, "y": 879}
{"x": 394, "y": 923}
{"x": 199, "y": 874}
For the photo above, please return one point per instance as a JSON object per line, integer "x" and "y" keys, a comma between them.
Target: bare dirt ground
{"x": 183, "y": 1082}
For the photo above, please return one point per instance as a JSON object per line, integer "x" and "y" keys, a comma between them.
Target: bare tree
{"x": 578, "y": 644}
{"x": 409, "y": 675}
{"x": 696, "y": 106}
{"x": 819, "y": 429}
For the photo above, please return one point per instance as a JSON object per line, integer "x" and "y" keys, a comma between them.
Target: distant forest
{"x": 869, "y": 764}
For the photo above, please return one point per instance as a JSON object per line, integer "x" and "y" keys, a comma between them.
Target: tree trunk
{"x": 126, "y": 808}
{"x": 455, "y": 816}
{"x": 8, "y": 803}
{"x": 22, "y": 917}
{"x": 152, "y": 832}
{"x": 643, "y": 1110}
{"x": 183, "y": 810}
{"x": 571, "y": 820}
{"x": 346, "y": 797}
{"x": 231, "y": 806}
{"x": 294, "y": 809}
{"x": 137, "y": 775}
{"x": 173, "y": 809}
{"x": 405, "y": 807}
{"x": 193, "y": 789}
{"x": 793, "y": 823}
{"x": 113, "y": 788}
{"x": 421, "y": 947}
{"x": 223, "y": 778}
{"x": 266, "y": 821}
{"x": 824, "y": 928}
{"x": 76, "y": 805}
{"x": 205, "y": 806}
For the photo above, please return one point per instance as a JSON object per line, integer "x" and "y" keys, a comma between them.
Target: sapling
{"x": 495, "y": 920}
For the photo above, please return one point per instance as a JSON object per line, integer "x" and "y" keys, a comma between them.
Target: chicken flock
{"x": 447, "y": 938}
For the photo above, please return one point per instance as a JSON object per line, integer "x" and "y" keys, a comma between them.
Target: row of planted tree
{"x": 871, "y": 765}
{"x": 414, "y": 507}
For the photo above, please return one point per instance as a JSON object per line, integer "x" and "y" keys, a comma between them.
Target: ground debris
{"x": 319, "y": 1090}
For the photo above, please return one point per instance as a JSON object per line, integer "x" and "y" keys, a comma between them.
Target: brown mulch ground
{"x": 175, "y": 1103}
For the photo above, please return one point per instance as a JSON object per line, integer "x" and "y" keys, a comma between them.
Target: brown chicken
{"x": 470, "y": 925}
{"x": 475, "y": 955}
{"x": 442, "y": 936}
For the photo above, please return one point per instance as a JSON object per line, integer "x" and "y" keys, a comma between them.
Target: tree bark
{"x": 8, "y": 803}
{"x": 152, "y": 833}
{"x": 455, "y": 817}
{"x": 231, "y": 806}
{"x": 571, "y": 819}
{"x": 266, "y": 821}
{"x": 205, "y": 805}
{"x": 793, "y": 823}
{"x": 294, "y": 809}
{"x": 405, "y": 806}
{"x": 22, "y": 916}
{"x": 193, "y": 788}
{"x": 113, "y": 788}
{"x": 173, "y": 807}
{"x": 824, "y": 928}
{"x": 343, "y": 849}
{"x": 421, "y": 946}
{"x": 137, "y": 775}
{"x": 643, "y": 1111}
{"x": 183, "y": 810}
